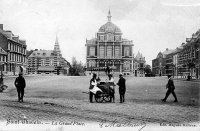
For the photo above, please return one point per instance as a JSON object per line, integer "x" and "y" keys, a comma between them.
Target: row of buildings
{"x": 13, "y": 54}
{"x": 110, "y": 49}
{"x": 182, "y": 62}
{"x": 107, "y": 49}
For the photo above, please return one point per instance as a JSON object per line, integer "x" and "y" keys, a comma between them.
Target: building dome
{"x": 109, "y": 26}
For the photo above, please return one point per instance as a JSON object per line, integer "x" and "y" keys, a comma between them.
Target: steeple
{"x": 109, "y": 16}
{"x": 57, "y": 47}
{"x": 56, "y": 40}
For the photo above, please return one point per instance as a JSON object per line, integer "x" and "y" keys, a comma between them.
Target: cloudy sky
{"x": 153, "y": 25}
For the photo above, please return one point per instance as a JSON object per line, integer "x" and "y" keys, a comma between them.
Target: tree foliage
{"x": 76, "y": 68}
{"x": 147, "y": 69}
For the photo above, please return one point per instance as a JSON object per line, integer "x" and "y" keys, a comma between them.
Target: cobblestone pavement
{"x": 61, "y": 100}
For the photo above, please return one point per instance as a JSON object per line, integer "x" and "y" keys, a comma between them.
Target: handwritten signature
{"x": 115, "y": 123}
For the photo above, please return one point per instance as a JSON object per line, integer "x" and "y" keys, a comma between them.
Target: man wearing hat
{"x": 20, "y": 84}
{"x": 122, "y": 88}
{"x": 171, "y": 88}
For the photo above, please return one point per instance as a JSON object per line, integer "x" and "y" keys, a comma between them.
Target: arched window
{"x": 92, "y": 63}
{"x": 110, "y": 37}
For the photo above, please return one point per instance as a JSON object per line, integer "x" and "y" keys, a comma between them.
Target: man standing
{"x": 122, "y": 88}
{"x": 20, "y": 84}
{"x": 171, "y": 88}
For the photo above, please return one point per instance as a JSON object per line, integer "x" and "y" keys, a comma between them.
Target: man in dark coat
{"x": 20, "y": 84}
{"x": 107, "y": 70}
{"x": 171, "y": 88}
{"x": 122, "y": 88}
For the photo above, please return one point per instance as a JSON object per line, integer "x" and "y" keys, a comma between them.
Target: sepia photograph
{"x": 74, "y": 65}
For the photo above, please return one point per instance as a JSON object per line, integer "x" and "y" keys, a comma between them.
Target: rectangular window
{"x": 126, "y": 51}
{"x": 92, "y": 51}
{"x": 101, "y": 37}
{"x": 117, "y": 51}
{"x": 42, "y": 62}
{"x": 109, "y": 51}
{"x": 101, "y": 48}
{"x": 51, "y": 62}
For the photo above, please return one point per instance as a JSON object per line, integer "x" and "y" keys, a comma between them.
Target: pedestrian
{"x": 20, "y": 84}
{"x": 122, "y": 88}
{"x": 93, "y": 87}
{"x": 1, "y": 84}
{"x": 170, "y": 86}
{"x": 107, "y": 70}
{"x": 111, "y": 85}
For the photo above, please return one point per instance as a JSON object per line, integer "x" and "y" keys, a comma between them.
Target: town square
{"x": 63, "y": 100}
{"x": 111, "y": 65}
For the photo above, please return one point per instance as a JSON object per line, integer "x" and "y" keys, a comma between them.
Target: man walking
{"x": 171, "y": 88}
{"x": 122, "y": 88}
{"x": 20, "y": 84}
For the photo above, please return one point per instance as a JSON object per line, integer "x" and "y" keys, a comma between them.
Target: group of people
{"x": 20, "y": 84}
{"x": 94, "y": 87}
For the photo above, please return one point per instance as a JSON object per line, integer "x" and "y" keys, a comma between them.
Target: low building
{"x": 48, "y": 62}
{"x": 171, "y": 62}
{"x": 159, "y": 63}
{"x": 13, "y": 52}
{"x": 189, "y": 57}
{"x": 139, "y": 65}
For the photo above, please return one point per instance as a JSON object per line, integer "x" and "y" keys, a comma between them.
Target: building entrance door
{"x": 135, "y": 73}
{"x": 160, "y": 74}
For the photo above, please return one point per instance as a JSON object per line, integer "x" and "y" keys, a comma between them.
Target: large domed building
{"x": 108, "y": 48}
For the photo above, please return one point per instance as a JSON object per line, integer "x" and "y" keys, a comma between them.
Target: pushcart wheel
{"x": 98, "y": 97}
{"x": 107, "y": 98}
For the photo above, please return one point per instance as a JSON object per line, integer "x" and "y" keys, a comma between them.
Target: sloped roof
{"x": 9, "y": 35}
{"x": 2, "y": 51}
{"x": 42, "y": 53}
{"x": 166, "y": 52}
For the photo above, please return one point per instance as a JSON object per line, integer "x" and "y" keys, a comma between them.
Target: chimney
{"x": 1, "y": 26}
{"x": 22, "y": 42}
{"x": 16, "y": 38}
{"x": 167, "y": 49}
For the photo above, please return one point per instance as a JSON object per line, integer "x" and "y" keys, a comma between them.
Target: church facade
{"x": 109, "y": 49}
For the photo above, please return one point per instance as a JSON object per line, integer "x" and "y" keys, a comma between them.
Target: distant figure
{"x": 122, "y": 88}
{"x": 107, "y": 70}
{"x": 93, "y": 87}
{"x": 171, "y": 88}
{"x": 1, "y": 84}
{"x": 111, "y": 83}
{"x": 20, "y": 84}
